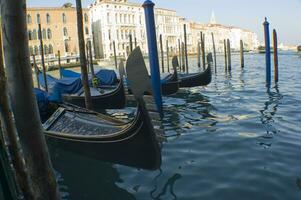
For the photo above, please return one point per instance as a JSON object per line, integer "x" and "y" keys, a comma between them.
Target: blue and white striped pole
{"x": 267, "y": 52}
{"x": 153, "y": 53}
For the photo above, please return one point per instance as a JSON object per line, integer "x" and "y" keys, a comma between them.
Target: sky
{"x": 283, "y": 15}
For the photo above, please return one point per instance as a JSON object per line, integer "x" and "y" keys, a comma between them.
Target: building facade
{"x": 59, "y": 30}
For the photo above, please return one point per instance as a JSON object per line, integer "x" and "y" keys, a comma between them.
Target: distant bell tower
{"x": 212, "y": 20}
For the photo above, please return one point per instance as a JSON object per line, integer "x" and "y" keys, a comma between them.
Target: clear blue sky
{"x": 284, "y": 15}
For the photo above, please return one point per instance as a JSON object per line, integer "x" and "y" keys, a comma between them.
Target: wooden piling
{"x": 242, "y": 58}
{"x": 214, "y": 51}
{"x": 115, "y": 55}
{"x": 167, "y": 55}
{"x": 135, "y": 42}
{"x": 276, "y": 64}
{"x": 36, "y": 71}
{"x": 199, "y": 54}
{"x": 180, "y": 53}
{"x": 59, "y": 60}
{"x": 183, "y": 57}
{"x": 23, "y": 104}
{"x": 91, "y": 58}
{"x": 42, "y": 58}
{"x": 186, "y": 49}
{"x": 162, "y": 54}
{"x": 203, "y": 50}
{"x": 83, "y": 60}
{"x": 225, "y": 53}
{"x": 131, "y": 42}
{"x": 229, "y": 54}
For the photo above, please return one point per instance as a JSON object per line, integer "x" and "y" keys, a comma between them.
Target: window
{"x": 49, "y": 34}
{"x": 38, "y": 18}
{"x": 36, "y": 50}
{"x": 44, "y": 34}
{"x": 108, "y": 18}
{"x": 64, "y": 18}
{"x": 29, "y": 20}
{"x": 40, "y": 50}
{"x": 66, "y": 46}
{"x": 65, "y": 32}
{"x": 34, "y": 34}
{"x": 46, "y": 50}
{"x": 47, "y": 18}
{"x": 50, "y": 49}
{"x": 109, "y": 34}
{"x": 31, "y": 50}
{"x": 86, "y": 17}
{"x": 29, "y": 35}
{"x": 87, "y": 30}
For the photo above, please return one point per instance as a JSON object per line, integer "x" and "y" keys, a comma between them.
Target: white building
{"x": 115, "y": 20}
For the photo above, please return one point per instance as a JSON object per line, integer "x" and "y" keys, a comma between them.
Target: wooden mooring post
{"x": 131, "y": 42}
{"x": 229, "y": 54}
{"x": 276, "y": 64}
{"x": 167, "y": 55}
{"x": 59, "y": 62}
{"x": 162, "y": 54}
{"x": 36, "y": 71}
{"x": 42, "y": 57}
{"x": 203, "y": 50}
{"x": 214, "y": 52}
{"x": 186, "y": 49}
{"x": 115, "y": 55}
{"x": 225, "y": 53}
{"x": 180, "y": 53}
{"x": 242, "y": 58}
{"x": 82, "y": 54}
{"x": 199, "y": 54}
{"x": 135, "y": 42}
{"x": 183, "y": 57}
{"x": 23, "y": 104}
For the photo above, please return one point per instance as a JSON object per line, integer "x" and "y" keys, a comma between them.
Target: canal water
{"x": 231, "y": 140}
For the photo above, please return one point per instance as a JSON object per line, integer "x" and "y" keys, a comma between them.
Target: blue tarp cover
{"x": 42, "y": 99}
{"x": 104, "y": 76}
{"x": 58, "y": 87}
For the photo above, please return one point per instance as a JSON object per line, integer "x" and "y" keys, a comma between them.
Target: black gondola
{"x": 195, "y": 79}
{"x": 95, "y": 135}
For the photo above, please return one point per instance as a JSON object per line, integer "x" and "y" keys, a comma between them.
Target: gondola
{"x": 98, "y": 136}
{"x": 195, "y": 79}
{"x": 109, "y": 99}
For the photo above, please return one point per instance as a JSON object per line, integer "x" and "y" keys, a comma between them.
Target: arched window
{"x": 86, "y": 17}
{"x": 38, "y": 18}
{"x": 65, "y": 31}
{"x": 87, "y": 30}
{"x": 40, "y": 50}
{"x": 47, "y": 18}
{"x": 49, "y": 34}
{"x": 34, "y": 34}
{"x": 50, "y": 49}
{"x": 31, "y": 50}
{"x": 29, "y": 20}
{"x": 29, "y": 35}
{"x": 66, "y": 46}
{"x": 36, "y": 50}
{"x": 44, "y": 34}
{"x": 64, "y": 18}
{"x": 46, "y": 50}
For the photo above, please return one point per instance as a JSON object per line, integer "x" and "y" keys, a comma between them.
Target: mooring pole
{"x": 242, "y": 58}
{"x": 42, "y": 58}
{"x": 276, "y": 64}
{"x": 131, "y": 42}
{"x": 162, "y": 54}
{"x": 183, "y": 57}
{"x": 186, "y": 49}
{"x": 115, "y": 55}
{"x": 135, "y": 42}
{"x": 267, "y": 52}
{"x": 199, "y": 54}
{"x": 82, "y": 54}
{"x": 225, "y": 51}
{"x": 23, "y": 101}
{"x": 36, "y": 71}
{"x": 229, "y": 54}
{"x": 87, "y": 57}
{"x": 180, "y": 53}
{"x": 214, "y": 51}
{"x": 91, "y": 58}
{"x": 203, "y": 50}
{"x": 153, "y": 53}
{"x": 167, "y": 55}
{"x": 60, "y": 66}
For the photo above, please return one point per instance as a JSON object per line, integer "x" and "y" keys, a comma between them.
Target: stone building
{"x": 59, "y": 30}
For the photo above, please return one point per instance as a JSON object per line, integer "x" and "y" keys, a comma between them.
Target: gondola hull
{"x": 195, "y": 80}
{"x": 115, "y": 99}
{"x": 170, "y": 88}
{"x": 134, "y": 144}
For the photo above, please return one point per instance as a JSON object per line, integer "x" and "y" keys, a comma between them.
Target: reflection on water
{"x": 231, "y": 140}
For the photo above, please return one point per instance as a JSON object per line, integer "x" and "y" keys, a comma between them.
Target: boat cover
{"x": 104, "y": 76}
{"x": 58, "y": 87}
{"x": 42, "y": 99}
